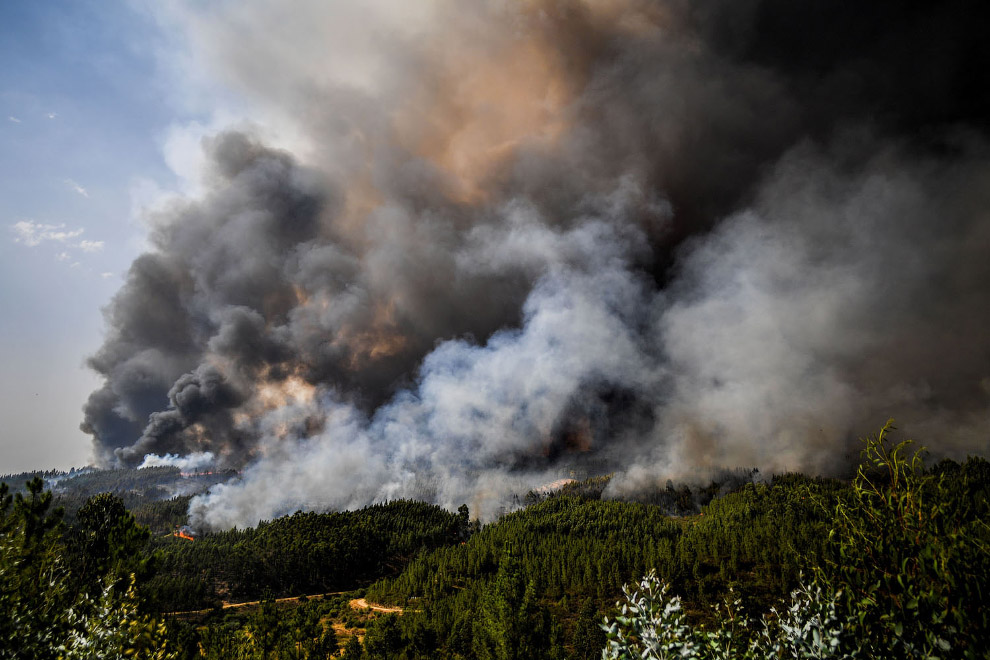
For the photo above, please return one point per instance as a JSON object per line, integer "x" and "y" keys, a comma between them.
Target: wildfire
{"x": 184, "y": 532}
{"x": 554, "y": 485}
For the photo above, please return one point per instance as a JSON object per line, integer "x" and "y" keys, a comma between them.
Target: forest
{"x": 893, "y": 562}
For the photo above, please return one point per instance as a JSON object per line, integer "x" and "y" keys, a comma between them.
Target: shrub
{"x": 905, "y": 575}
{"x": 652, "y": 626}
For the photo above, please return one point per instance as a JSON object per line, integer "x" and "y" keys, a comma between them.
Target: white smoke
{"x": 474, "y": 406}
{"x": 188, "y": 463}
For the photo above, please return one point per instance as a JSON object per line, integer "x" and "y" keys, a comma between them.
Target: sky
{"x": 83, "y": 119}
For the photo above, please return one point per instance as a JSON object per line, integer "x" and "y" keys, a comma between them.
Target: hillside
{"x": 429, "y": 583}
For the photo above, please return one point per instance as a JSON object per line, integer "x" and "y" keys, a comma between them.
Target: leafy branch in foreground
{"x": 908, "y": 552}
{"x": 652, "y": 626}
{"x": 113, "y": 628}
{"x": 46, "y": 611}
{"x": 905, "y": 575}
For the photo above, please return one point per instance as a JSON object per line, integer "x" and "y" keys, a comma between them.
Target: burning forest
{"x": 463, "y": 249}
{"x": 184, "y": 532}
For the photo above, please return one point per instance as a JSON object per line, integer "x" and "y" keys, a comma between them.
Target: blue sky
{"x": 84, "y": 109}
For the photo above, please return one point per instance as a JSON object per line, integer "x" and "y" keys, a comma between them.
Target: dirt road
{"x": 362, "y": 604}
{"x": 356, "y": 604}
{"x": 225, "y": 605}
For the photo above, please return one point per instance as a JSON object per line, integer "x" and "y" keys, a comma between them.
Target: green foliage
{"x": 910, "y": 552}
{"x": 273, "y": 630}
{"x": 383, "y": 640}
{"x": 308, "y": 637}
{"x": 577, "y": 551}
{"x": 326, "y": 645}
{"x": 652, "y": 625}
{"x": 904, "y": 574}
{"x": 265, "y": 629}
{"x": 353, "y": 649}
{"x": 224, "y": 640}
{"x": 756, "y": 540}
{"x": 506, "y": 629}
{"x": 115, "y": 629}
{"x": 47, "y": 612}
{"x": 162, "y": 516}
{"x": 34, "y": 582}
{"x": 566, "y": 544}
{"x": 107, "y": 542}
{"x": 589, "y": 638}
{"x": 301, "y": 553}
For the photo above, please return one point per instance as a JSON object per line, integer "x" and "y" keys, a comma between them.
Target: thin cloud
{"x": 66, "y": 258}
{"x": 78, "y": 188}
{"x": 32, "y": 234}
{"x": 52, "y": 115}
{"x": 14, "y": 119}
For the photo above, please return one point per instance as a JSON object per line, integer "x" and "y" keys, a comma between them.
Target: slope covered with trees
{"x": 894, "y": 563}
{"x": 560, "y": 564}
{"x": 298, "y": 554}
{"x": 904, "y": 574}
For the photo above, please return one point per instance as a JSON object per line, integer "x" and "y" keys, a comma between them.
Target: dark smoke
{"x": 514, "y": 240}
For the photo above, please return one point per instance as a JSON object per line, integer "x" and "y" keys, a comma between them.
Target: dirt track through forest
{"x": 226, "y": 606}
{"x": 362, "y": 604}
{"x": 356, "y": 604}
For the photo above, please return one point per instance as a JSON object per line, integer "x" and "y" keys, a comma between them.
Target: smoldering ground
{"x": 495, "y": 239}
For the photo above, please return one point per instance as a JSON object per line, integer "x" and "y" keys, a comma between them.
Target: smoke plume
{"x": 496, "y": 244}
{"x": 188, "y": 463}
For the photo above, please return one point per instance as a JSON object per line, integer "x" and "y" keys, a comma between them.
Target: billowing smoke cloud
{"x": 496, "y": 243}
{"x": 190, "y": 462}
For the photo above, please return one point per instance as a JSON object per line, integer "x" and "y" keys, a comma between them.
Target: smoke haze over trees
{"x": 468, "y": 248}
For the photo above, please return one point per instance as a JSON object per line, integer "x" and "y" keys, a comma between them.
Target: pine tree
{"x": 500, "y": 632}
{"x": 589, "y": 638}
{"x": 383, "y": 640}
{"x": 265, "y": 629}
{"x": 353, "y": 649}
